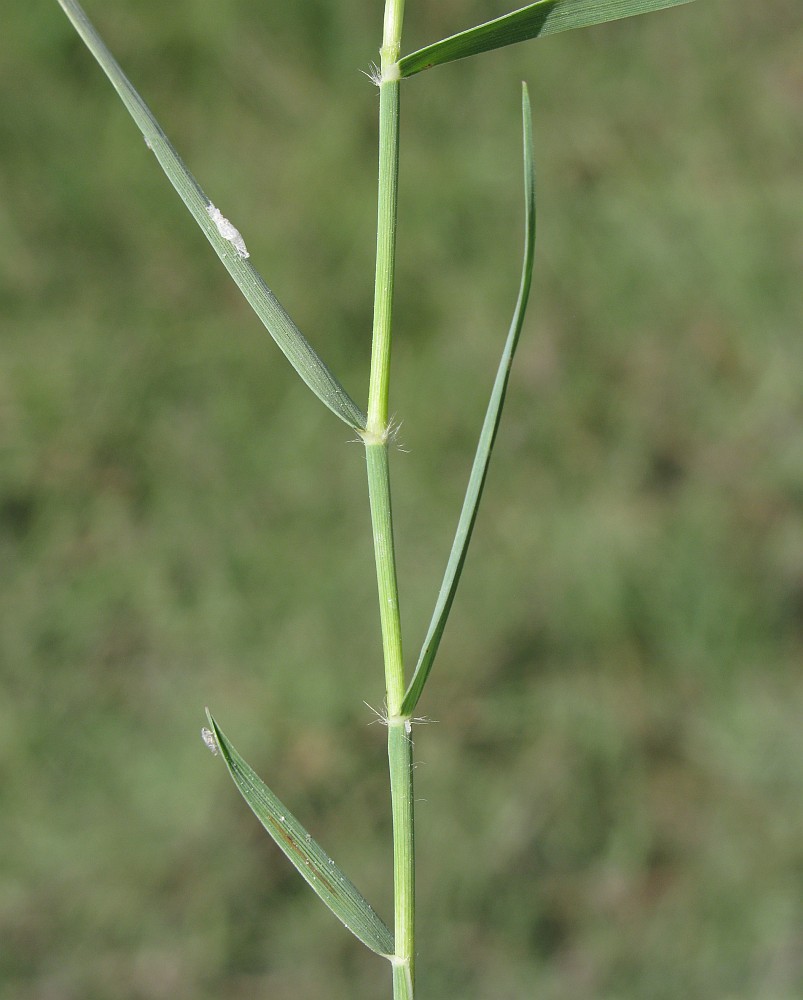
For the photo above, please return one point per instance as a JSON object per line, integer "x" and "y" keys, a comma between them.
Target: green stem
{"x": 378, "y": 390}
{"x": 400, "y": 760}
{"x": 377, "y": 432}
{"x": 376, "y": 456}
{"x": 400, "y": 744}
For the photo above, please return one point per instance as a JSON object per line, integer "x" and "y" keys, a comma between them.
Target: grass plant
{"x": 373, "y": 426}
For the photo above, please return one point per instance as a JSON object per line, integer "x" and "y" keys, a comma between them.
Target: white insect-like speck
{"x": 209, "y": 738}
{"x": 227, "y": 230}
{"x": 147, "y": 142}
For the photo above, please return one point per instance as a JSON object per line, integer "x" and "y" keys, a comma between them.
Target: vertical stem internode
{"x": 379, "y": 387}
{"x": 376, "y": 455}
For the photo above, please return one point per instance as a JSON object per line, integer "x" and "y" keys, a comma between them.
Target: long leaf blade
{"x": 330, "y": 883}
{"x": 225, "y": 239}
{"x": 482, "y": 457}
{"x": 547, "y": 17}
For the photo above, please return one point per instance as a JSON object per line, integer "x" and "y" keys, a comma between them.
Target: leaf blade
{"x": 296, "y": 348}
{"x": 328, "y": 881}
{"x": 546, "y": 17}
{"x": 490, "y": 426}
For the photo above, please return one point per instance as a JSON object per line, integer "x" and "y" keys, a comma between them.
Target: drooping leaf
{"x": 547, "y": 17}
{"x": 330, "y": 883}
{"x": 482, "y": 458}
{"x": 224, "y": 237}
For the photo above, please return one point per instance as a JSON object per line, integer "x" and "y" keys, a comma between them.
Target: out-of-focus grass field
{"x": 611, "y": 803}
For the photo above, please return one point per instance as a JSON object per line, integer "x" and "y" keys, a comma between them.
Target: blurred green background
{"x": 611, "y": 803}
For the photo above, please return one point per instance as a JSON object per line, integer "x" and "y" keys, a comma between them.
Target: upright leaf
{"x": 482, "y": 458}
{"x": 225, "y": 239}
{"x": 330, "y": 883}
{"x": 546, "y": 17}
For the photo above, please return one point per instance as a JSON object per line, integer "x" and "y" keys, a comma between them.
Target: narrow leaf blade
{"x": 546, "y": 17}
{"x": 482, "y": 458}
{"x": 330, "y": 883}
{"x": 228, "y": 247}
